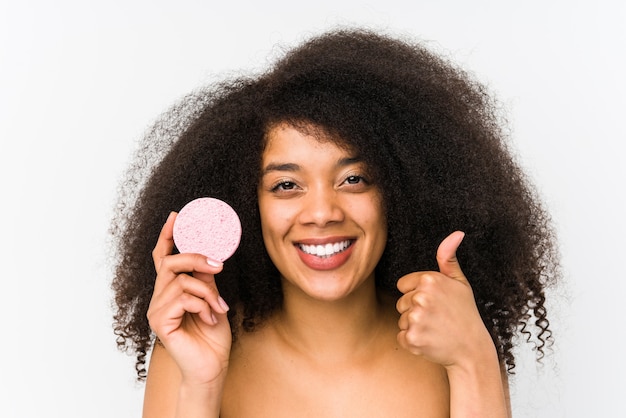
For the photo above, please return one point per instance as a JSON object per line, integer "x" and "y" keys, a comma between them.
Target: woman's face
{"x": 322, "y": 218}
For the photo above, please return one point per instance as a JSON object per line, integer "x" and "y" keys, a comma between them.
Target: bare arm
{"x": 188, "y": 368}
{"x": 507, "y": 392}
{"x": 162, "y": 385}
{"x": 439, "y": 320}
{"x": 477, "y": 389}
{"x": 165, "y": 396}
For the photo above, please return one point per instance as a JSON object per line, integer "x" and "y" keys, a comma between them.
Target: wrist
{"x": 483, "y": 357}
{"x": 199, "y": 399}
{"x": 476, "y": 386}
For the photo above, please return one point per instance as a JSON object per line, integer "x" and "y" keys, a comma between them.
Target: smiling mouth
{"x": 327, "y": 250}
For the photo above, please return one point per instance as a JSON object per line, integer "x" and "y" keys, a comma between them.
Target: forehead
{"x": 284, "y": 138}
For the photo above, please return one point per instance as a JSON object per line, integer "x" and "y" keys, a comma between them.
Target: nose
{"x": 321, "y": 206}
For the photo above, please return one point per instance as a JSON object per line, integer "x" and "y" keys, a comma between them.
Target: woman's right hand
{"x": 187, "y": 313}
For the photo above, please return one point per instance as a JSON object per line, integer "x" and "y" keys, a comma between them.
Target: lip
{"x": 327, "y": 262}
{"x": 323, "y": 241}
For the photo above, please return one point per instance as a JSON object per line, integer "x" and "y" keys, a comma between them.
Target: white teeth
{"x": 325, "y": 250}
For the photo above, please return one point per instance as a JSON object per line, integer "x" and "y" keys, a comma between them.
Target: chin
{"x": 322, "y": 290}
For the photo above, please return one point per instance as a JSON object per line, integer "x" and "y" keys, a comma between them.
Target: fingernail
{"x": 214, "y": 263}
{"x": 223, "y": 304}
{"x": 214, "y": 318}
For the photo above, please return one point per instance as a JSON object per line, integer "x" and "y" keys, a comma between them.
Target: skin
{"x": 313, "y": 193}
{"x": 336, "y": 348}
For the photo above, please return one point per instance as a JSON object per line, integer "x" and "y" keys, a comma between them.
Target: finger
{"x": 446, "y": 256}
{"x": 173, "y": 265}
{"x": 415, "y": 280}
{"x": 208, "y": 291}
{"x": 403, "y": 340}
{"x": 216, "y": 301}
{"x": 169, "y": 317}
{"x": 401, "y": 337}
{"x": 409, "y": 282}
{"x": 406, "y": 302}
{"x": 403, "y": 304}
{"x": 198, "y": 306}
{"x": 165, "y": 242}
{"x": 185, "y": 283}
{"x": 404, "y": 322}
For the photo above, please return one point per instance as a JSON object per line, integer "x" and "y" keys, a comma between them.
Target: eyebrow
{"x": 280, "y": 167}
{"x": 295, "y": 167}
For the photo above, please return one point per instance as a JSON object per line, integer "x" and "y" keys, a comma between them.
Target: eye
{"x": 355, "y": 180}
{"x": 283, "y": 186}
{"x": 356, "y": 183}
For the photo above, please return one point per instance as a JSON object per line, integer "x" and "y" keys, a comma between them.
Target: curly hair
{"x": 430, "y": 133}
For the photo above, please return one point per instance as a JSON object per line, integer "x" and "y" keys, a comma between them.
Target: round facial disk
{"x": 207, "y": 226}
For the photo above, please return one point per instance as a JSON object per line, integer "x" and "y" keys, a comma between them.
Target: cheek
{"x": 381, "y": 214}
{"x": 378, "y": 223}
{"x": 374, "y": 214}
{"x": 275, "y": 218}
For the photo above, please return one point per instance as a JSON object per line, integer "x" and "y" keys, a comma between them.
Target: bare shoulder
{"x": 265, "y": 380}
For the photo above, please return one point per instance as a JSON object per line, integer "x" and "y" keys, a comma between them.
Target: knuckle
{"x": 187, "y": 283}
{"x": 428, "y": 279}
{"x": 181, "y": 280}
{"x": 199, "y": 259}
{"x": 152, "y": 317}
{"x": 212, "y": 291}
{"x": 419, "y": 299}
{"x": 164, "y": 263}
{"x": 413, "y": 339}
{"x": 415, "y": 317}
{"x": 186, "y": 298}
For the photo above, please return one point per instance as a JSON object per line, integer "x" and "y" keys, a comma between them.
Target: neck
{"x": 331, "y": 330}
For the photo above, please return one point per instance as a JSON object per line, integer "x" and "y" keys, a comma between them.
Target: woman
{"x": 354, "y": 164}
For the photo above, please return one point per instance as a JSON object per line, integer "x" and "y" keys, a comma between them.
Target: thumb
{"x": 446, "y": 256}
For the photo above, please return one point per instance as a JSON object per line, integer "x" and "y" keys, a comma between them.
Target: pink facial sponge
{"x": 209, "y": 227}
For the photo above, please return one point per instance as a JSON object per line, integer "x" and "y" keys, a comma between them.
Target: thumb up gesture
{"x": 438, "y": 315}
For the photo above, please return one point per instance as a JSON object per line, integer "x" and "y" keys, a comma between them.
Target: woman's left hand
{"x": 438, "y": 315}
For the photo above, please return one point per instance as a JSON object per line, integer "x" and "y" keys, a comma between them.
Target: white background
{"x": 80, "y": 81}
